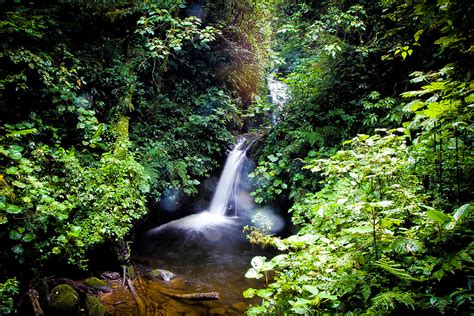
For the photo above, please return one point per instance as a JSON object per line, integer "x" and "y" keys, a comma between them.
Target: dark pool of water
{"x": 206, "y": 259}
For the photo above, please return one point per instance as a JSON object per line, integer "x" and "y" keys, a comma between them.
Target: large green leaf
{"x": 462, "y": 212}
{"x": 13, "y": 209}
{"x": 438, "y": 216}
{"x": 29, "y": 237}
{"x": 365, "y": 229}
{"x": 311, "y": 289}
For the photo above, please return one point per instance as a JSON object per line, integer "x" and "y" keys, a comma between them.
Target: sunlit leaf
{"x": 438, "y": 216}
{"x": 13, "y": 209}
{"x": 462, "y": 212}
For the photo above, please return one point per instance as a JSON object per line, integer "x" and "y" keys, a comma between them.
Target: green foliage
{"x": 71, "y": 177}
{"x": 442, "y": 112}
{"x": 267, "y": 174}
{"x": 179, "y": 143}
{"x": 160, "y": 22}
{"x": 367, "y": 243}
{"x": 330, "y": 56}
{"x": 56, "y": 201}
{"x": 388, "y": 228}
{"x": 248, "y": 29}
{"x": 75, "y": 172}
{"x": 446, "y": 24}
{"x": 387, "y": 302}
{"x": 164, "y": 33}
{"x": 8, "y": 290}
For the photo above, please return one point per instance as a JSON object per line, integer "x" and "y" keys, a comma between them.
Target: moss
{"x": 94, "y": 307}
{"x": 95, "y": 282}
{"x": 64, "y": 301}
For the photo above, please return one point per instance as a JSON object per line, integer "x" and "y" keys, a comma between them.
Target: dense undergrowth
{"x": 374, "y": 148}
{"x": 106, "y": 108}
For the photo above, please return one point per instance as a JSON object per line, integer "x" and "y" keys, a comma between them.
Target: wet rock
{"x": 162, "y": 274}
{"x": 97, "y": 283}
{"x": 94, "y": 307}
{"x": 64, "y": 301}
{"x": 109, "y": 275}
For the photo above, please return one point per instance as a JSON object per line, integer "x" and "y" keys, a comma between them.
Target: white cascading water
{"x": 227, "y": 187}
{"x": 278, "y": 95}
{"x": 227, "y": 192}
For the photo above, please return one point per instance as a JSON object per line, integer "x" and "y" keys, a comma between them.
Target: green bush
{"x": 369, "y": 241}
{"x": 8, "y": 290}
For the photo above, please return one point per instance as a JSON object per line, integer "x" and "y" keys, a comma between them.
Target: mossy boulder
{"x": 94, "y": 307}
{"x": 97, "y": 284}
{"x": 64, "y": 301}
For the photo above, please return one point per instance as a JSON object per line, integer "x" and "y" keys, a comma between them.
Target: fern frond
{"x": 388, "y": 301}
{"x": 394, "y": 268}
{"x": 309, "y": 137}
{"x": 319, "y": 136}
{"x": 331, "y": 132}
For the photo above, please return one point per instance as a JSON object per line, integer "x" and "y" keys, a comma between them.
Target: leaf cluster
{"x": 367, "y": 242}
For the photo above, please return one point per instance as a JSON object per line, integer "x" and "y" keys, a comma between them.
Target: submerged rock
{"x": 94, "y": 307}
{"x": 64, "y": 301}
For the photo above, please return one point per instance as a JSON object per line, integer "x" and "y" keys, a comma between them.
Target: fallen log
{"x": 210, "y": 296}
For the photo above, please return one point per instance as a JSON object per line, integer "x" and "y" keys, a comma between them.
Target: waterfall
{"x": 227, "y": 196}
{"x": 227, "y": 187}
